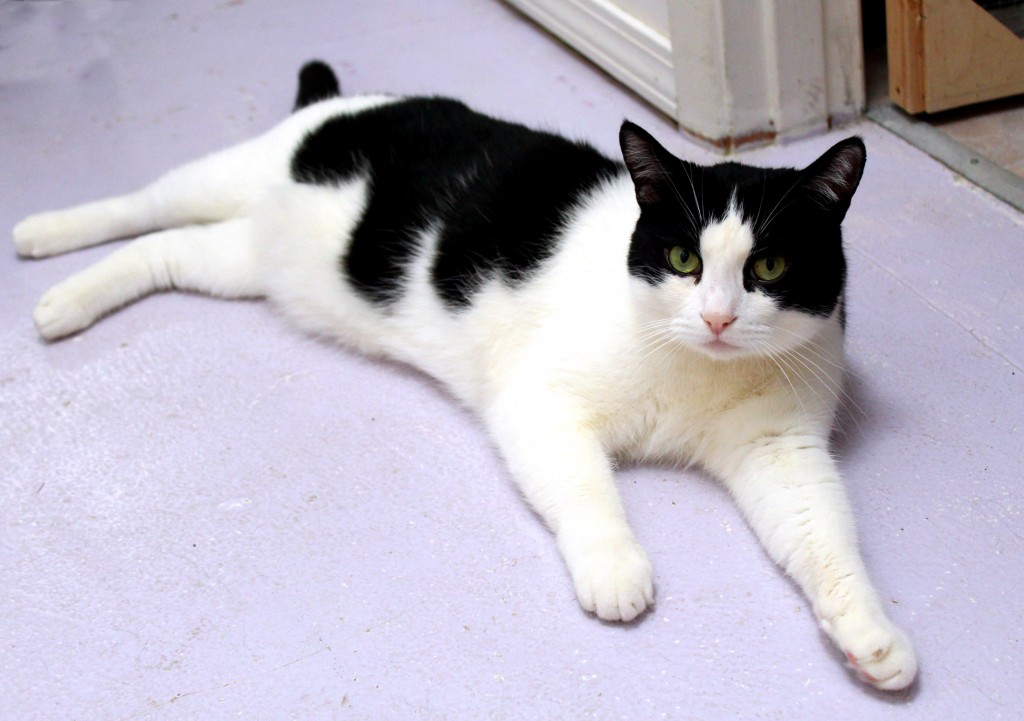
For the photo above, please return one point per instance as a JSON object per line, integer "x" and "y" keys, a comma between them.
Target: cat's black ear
{"x": 832, "y": 179}
{"x": 648, "y": 163}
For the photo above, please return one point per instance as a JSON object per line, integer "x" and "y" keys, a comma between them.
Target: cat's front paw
{"x": 877, "y": 650}
{"x": 612, "y": 575}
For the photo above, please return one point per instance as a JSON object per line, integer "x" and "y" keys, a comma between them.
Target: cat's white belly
{"x": 304, "y": 231}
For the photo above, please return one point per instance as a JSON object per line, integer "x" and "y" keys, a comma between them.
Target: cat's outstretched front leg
{"x": 789, "y": 490}
{"x": 566, "y": 476}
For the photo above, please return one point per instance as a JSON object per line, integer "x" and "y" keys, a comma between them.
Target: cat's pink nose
{"x": 717, "y": 322}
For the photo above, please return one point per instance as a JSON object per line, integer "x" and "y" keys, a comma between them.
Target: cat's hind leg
{"x": 216, "y": 259}
{"x": 60, "y": 231}
{"x": 218, "y": 187}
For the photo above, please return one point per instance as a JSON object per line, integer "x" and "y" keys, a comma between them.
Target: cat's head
{"x": 734, "y": 260}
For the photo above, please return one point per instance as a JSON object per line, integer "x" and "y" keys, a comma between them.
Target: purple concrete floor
{"x": 206, "y": 515}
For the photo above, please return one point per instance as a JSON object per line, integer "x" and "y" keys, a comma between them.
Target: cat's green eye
{"x": 683, "y": 261}
{"x": 769, "y": 268}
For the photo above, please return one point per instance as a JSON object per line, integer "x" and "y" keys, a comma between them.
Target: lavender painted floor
{"x": 205, "y": 515}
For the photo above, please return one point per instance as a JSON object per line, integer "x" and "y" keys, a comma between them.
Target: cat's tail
{"x": 316, "y": 82}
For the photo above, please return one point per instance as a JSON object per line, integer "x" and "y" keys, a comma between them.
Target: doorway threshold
{"x": 973, "y": 166}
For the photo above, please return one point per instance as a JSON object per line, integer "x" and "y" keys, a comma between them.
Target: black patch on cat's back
{"x": 497, "y": 192}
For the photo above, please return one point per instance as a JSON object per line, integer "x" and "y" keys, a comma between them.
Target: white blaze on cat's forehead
{"x": 725, "y": 246}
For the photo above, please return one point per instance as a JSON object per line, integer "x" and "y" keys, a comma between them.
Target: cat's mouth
{"x": 721, "y": 348}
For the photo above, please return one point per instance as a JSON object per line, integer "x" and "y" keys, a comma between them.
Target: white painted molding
{"x": 844, "y": 60}
{"x": 749, "y": 73}
{"x": 730, "y": 72}
{"x": 633, "y": 52}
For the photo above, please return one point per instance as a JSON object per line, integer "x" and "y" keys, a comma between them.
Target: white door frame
{"x": 731, "y": 73}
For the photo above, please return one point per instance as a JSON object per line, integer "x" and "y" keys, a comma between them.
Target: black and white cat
{"x": 588, "y": 311}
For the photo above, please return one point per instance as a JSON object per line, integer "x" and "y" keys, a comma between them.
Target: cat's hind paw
{"x": 65, "y": 309}
{"x": 38, "y": 236}
{"x": 613, "y": 579}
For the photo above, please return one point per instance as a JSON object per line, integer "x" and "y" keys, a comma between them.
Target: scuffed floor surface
{"x": 205, "y": 515}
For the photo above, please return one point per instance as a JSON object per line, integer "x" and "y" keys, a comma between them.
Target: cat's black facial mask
{"x": 793, "y": 216}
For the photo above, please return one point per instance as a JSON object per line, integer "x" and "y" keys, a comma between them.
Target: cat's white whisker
{"x": 795, "y": 361}
{"x": 699, "y": 204}
{"x": 834, "y": 386}
{"x": 654, "y": 346}
{"x": 682, "y": 203}
{"x": 760, "y": 203}
{"x": 815, "y": 347}
{"x": 770, "y": 357}
{"x": 803, "y": 353}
